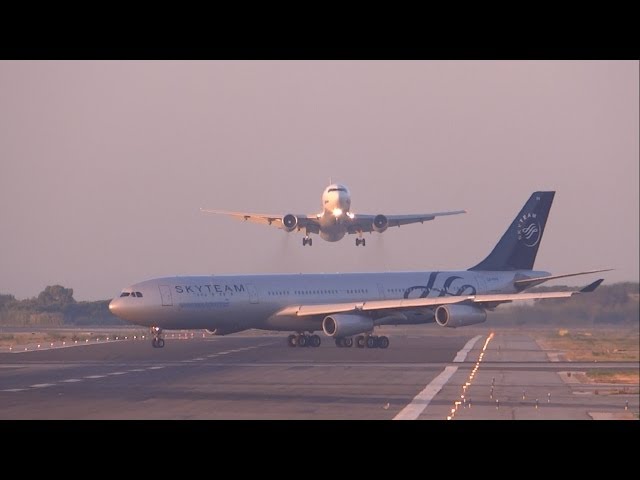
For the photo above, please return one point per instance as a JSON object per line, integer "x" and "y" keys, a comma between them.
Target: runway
{"x": 462, "y": 374}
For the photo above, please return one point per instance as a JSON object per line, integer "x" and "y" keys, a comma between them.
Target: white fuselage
{"x": 239, "y": 302}
{"x": 334, "y": 218}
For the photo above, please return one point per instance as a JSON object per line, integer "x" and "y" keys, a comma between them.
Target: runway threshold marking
{"x": 422, "y": 400}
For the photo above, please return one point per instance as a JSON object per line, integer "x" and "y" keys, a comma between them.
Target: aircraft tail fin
{"x": 518, "y": 247}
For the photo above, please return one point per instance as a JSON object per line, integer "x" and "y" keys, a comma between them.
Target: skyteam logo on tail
{"x": 529, "y": 229}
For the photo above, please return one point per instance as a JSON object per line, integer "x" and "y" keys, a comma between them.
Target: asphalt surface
{"x": 258, "y": 377}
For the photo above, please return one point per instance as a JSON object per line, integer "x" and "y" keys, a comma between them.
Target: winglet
{"x": 592, "y": 286}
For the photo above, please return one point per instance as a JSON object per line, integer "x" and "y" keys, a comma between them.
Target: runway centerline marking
{"x": 422, "y": 400}
{"x": 156, "y": 367}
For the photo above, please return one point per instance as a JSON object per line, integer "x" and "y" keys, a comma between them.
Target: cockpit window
{"x": 133, "y": 294}
{"x": 337, "y": 189}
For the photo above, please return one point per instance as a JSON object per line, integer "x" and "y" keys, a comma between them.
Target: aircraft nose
{"x": 115, "y": 306}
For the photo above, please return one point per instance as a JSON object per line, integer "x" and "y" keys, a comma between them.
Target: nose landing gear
{"x": 157, "y": 341}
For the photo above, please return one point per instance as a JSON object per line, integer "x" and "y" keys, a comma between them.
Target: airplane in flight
{"x": 349, "y": 304}
{"x": 336, "y": 219}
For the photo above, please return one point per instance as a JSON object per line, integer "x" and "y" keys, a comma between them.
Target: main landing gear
{"x": 158, "y": 341}
{"x": 345, "y": 342}
{"x": 372, "y": 341}
{"x": 307, "y": 241}
{"x": 362, "y": 341}
{"x": 302, "y": 340}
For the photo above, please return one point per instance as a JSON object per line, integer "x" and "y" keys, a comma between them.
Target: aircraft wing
{"x": 528, "y": 282}
{"x": 309, "y": 222}
{"x": 487, "y": 301}
{"x": 364, "y": 222}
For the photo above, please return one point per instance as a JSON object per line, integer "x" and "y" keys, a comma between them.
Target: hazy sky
{"x": 105, "y": 164}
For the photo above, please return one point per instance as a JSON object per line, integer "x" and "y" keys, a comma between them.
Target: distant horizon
{"x": 105, "y": 165}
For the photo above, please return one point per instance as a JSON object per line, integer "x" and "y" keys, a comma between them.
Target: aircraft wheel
{"x": 372, "y": 342}
{"x": 347, "y": 342}
{"x": 383, "y": 342}
{"x": 302, "y": 340}
{"x": 360, "y": 341}
{"x": 364, "y": 242}
{"x": 314, "y": 341}
{"x": 292, "y": 340}
{"x": 154, "y": 342}
{"x": 160, "y": 342}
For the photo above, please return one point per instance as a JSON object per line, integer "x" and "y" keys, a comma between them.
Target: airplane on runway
{"x": 335, "y": 220}
{"x": 349, "y": 304}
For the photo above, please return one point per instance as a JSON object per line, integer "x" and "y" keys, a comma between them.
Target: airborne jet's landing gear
{"x": 361, "y": 241}
{"x": 158, "y": 341}
{"x": 344, "y": 342}
{"x": 372, "y": 341}
{"x": 307, "y": 240}
{"x": 302, "y": 340}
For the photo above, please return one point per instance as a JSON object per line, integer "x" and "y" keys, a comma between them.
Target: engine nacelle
{"x": 380, "y": 223}
{"x": 344, "y": 325}
{"x": 224, "y": 331}
{"x": 459, "y": 315}
{"x": 289, "y": 222}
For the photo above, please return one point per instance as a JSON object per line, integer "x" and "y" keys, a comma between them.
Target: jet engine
{"x": 289, "y": 222}
{"x": 459, "y": 315}
{"x": 380, "y": 223}
{"x": 344, "y": 325}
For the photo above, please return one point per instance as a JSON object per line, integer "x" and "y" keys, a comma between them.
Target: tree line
{"x": 54, "y": 307}
{"x": 609, "y": 304}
